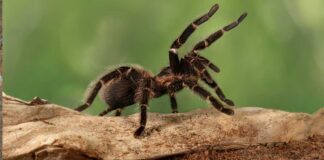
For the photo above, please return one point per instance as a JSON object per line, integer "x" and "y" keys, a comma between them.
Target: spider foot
{"x": 228, "y": 111}
{"x": 175, "y": 111}
{"x": 81, "y": 108}
{"x": 101, "y": 114}
{"x": 139, "y": 132}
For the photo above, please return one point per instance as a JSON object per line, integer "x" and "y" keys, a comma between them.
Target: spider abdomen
{"x": 119, "y": 93}
{"x": 121, "y": 90}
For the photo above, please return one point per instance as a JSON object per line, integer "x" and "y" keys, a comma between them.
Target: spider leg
{"x": 98, "y": 84}
{"x": 192, "y": 27}
{"x": 106, "y": 111}
{"x": 118, "y": 112}
{"x": 210, "y": 82}
{"x": 173, "y": 56}
{"x": 213, "y": 37}
{"x": 206, "y": 95}
{"x": 219, "y": 92}
{"x": 172, "y": 88}
{"x": 201, "y": 69}
{"x": 206, "y": 62}
{"x": 109, "y": 109}
{"x": 143, "y": 101}
{"x": 173, "y": 101}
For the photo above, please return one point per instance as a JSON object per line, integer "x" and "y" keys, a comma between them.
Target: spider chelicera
{"x": 127, "y": 85}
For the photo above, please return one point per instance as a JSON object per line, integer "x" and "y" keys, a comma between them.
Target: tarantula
{"x": 127, "y": 85}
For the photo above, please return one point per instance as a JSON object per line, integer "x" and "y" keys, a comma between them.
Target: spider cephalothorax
{"x": 127, "y": 85}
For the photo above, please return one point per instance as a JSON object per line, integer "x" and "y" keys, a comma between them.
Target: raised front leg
{"x": 215, "y": 36}
{"x": 173, "y": 52}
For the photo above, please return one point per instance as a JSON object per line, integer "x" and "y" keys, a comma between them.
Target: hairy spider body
{"x": 128, "y": 85}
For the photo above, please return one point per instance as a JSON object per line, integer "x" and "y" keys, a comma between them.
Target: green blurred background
{"x": 274, "y": 59}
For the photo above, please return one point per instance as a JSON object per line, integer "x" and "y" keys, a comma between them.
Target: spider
{"x": 128, "y": 85}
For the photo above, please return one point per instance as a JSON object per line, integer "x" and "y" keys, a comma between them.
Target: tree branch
{"x": 39, "y": 130}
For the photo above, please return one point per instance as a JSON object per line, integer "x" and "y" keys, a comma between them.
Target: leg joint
{"x": 194, "y": 26}
{"x": 194, "y": 86}
{"x": 144, "y": 105}
{"x": 173, "y": 51}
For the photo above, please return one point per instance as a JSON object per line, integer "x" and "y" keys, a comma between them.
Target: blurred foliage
{"x": 274, "y": 59}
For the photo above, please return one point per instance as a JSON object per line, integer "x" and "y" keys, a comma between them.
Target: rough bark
{"x": 41, "y": 130}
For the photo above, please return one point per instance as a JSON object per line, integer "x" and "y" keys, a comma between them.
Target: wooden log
{"x": 42, "y": 130}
